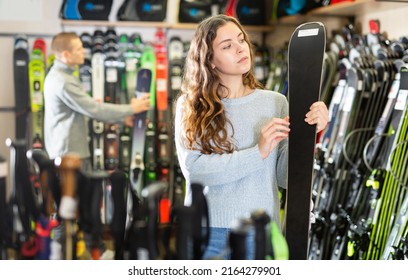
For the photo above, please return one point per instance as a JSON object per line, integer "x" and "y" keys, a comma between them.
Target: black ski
{"x": 21, "y": 85}
{"x": 306, "y": 51}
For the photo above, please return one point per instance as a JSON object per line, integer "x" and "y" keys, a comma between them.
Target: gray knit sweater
{"x": 240, "y": 182}
{"x": 67, "y": 107}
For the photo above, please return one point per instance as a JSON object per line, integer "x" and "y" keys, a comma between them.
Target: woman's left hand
{"x": 318, "y": 115}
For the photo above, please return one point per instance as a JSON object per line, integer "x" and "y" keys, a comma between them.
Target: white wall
{"x": 394, "y": 21}
{"x": 281, "y": 34}
{"x": 15, "y": 18}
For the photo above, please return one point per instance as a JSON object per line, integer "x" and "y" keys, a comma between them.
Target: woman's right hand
{"x": 140, "y": 104}
{"x": 271, "y": 134}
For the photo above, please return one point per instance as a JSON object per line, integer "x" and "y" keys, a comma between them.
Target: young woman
{"x": 231, "y": 135}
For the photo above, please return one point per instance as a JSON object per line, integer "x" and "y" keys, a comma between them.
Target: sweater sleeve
{"x": 282, "y": 163}
{"x": 214, "y": 169}
{"x": 75, "y": 97}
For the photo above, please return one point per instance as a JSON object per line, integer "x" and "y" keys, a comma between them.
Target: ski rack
{"x": 392, "y": 172}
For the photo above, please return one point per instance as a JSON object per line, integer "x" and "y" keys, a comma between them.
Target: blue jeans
{"x": 218, "y": 245}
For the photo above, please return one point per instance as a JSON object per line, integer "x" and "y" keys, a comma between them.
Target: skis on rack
{"x": 21, "y": 85}
{"x": 98, "y": 90}
{"x": 48, "y": 199}
{"x": 36, "y": 71}
{"x": 131, "y": 57}
{"x": 394, "y": 180}
{"x": 347, "y": 119}
{"x": 324, "y": 167}
{"x": 144, "y": 80}
{"x": 5, "y": 225}
{"x": 306, "y": 50}
{"x": 25, "y": 212}
{"x": 113, "y": 70}
{"x": 162, "y": 105}
{"x": 91, "y": 196}
{"x": 397, "y": 232}
{"x": 148, "y": 61}
{"x": 85, "y": 70}
{"x": 120, "y": 190}
{"x": 175, "y": 57}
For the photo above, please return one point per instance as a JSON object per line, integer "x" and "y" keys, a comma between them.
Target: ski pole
{"x": 25, "y": 209}
{"x": 151, "y": 195}
{"x": 201, "y": 221}
{"x": 47, "y": 176}
{"x": 184, "y": 237}
{"x": 260, "y": 220}
{"x": 3, "y": 209}
{"x": 97, "y": 183}
{"x": 237, "y": 239}
{"x": 119, "y": 195}
{"x": 47, "y": 182}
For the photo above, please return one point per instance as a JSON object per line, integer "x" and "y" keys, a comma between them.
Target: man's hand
{"x": 141, "y": 104}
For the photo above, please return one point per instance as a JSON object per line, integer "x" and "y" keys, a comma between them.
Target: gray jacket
{"x": 67, "y": 107}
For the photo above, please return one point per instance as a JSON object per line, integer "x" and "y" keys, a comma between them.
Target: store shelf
{"x": 291, "y": 20}
{"x": 144, "y": 24}
{"x": 255, "y": 28}
{"x": 102, "y": 23}
{"x": 356, "y": 7}
{"x": 342, "y": 9}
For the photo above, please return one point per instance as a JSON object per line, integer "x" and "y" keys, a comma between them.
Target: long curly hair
{"x": 204, "y": 119}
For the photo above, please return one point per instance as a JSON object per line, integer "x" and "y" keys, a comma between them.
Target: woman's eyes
{"x": 241, "y": 41}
